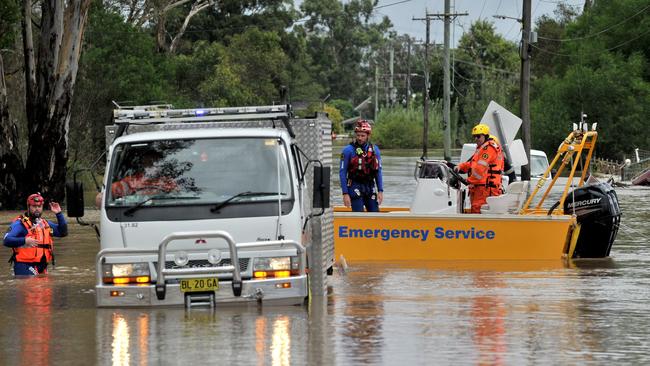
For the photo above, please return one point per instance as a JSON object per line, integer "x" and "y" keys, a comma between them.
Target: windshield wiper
{"x": 133, "y": 209}
{"x": 222, "y": 204}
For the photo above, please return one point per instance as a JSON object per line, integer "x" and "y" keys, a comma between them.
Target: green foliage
{"x": 486, "y": 69}
{"x": 341, "y": 36}
{"x": 613, "y": 94}
{"x": 249, "y": 71}
{"x": 333, "y": 113}
{"x": 9, "y": 22}
{"x": 346, "y": 108}
{"x": 399, "y": 128}
{"x": 599, "y": 71}
{"x": 118, "y": 63}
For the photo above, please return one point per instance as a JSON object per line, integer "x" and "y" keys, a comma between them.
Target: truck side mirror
{"x": 321, "y": 197}
{"x": 74, "y": 194}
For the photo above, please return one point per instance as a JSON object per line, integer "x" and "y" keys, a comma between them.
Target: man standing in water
{"x": 360, "y": 171}
{"x": 30, "y": 237}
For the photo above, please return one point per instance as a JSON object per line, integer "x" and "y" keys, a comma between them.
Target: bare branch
{"x": 173, "y": 5}
{"x": 196, "y": 8}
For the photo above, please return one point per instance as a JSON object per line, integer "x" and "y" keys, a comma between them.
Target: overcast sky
{"x": 401, "y": 13}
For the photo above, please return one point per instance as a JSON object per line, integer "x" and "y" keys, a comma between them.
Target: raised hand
{"x": 54, "y": 206}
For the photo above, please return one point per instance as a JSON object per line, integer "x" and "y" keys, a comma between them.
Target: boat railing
{"x": 575, "y": 151}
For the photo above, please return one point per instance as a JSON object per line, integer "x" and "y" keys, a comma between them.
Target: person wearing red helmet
{"x": 30, "y": 237}
{"x": 360, "y": 171}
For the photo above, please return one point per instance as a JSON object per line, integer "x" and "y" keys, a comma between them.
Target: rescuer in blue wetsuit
{"x": 360, "y": 171}
{"x": 30, "y": 237}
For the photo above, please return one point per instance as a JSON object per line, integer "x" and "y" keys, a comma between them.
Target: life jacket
{"x": 42, "y": 232}
{"x": 364, "y": 166}
{"x": 495, "y": 171}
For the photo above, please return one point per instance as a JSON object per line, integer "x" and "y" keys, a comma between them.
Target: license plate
{"x": 199, "y": 284}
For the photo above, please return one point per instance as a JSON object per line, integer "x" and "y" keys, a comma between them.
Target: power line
{"x": 597, "y": 33}
{"x": 486, "y": 67}
{"x": 387, "y": 5}
{"x": 593, "y": 53}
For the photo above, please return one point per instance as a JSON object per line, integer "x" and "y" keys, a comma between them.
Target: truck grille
{"x": 199, "y": 263}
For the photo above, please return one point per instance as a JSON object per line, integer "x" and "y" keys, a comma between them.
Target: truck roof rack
{"x": 163, "y": 113}
{"x": 123, "y": 117}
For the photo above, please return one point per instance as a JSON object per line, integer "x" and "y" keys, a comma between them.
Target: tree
{"x": 341, "y": 40}
{"x": 10, "y": 159}
{"x": 49, "y": 84}
{"x": 602, "y": 70}
{"x": 119, "y": 63}
{"x": 486, "y": 68}
{"x": 550, "y": 33}
{"x": 249, "y": 71}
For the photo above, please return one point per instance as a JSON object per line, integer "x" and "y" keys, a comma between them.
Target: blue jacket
{"x": 15, "y": 236}
{"x": 347, "y": 155}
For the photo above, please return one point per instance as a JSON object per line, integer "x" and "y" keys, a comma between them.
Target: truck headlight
{"x": 275, "y": 267}
{"x": 125, "y": 273}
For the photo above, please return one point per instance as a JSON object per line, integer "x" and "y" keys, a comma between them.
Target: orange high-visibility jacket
{"x": 485, "y": 166}
{"x": 42, "y": 232}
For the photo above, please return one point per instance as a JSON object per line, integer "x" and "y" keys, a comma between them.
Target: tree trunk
{"x": 58, "y": 59}
{"x": 11, "y": 165}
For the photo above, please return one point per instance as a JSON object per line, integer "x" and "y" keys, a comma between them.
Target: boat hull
{"x": 642, "y": 179}
{"x": 402, "y": 236}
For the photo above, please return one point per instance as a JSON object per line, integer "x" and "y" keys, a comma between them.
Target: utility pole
{"x": 447, "y": 17}
{"x": 524, "y": 86}
{"x": 408, "y": 72}
{"x": 376, "y": 91}
{"x": 391, "y": 85}
{"x": 425, "y": 133}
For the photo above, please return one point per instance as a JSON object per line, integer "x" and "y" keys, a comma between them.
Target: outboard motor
{"x": 598, "y": 213}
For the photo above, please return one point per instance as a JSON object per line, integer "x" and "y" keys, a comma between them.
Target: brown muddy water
{"x": 589, "y": 312}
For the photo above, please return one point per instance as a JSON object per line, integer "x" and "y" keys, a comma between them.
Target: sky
{"x": 401, "y": 13}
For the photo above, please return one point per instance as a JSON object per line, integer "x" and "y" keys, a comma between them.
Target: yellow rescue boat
{"x": 582, "y": 224}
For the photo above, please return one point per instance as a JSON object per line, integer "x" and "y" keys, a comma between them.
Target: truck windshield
{"x": 200, "y": 171}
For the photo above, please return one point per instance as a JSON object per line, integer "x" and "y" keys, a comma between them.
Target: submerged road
{"x": 589, "y": 312}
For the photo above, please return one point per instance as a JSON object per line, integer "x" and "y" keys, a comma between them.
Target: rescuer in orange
{"x": 30, "y": 237}
{"x": 484, "y": 169}
{"x": 147, "y": 180}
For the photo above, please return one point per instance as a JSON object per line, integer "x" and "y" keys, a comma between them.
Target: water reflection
{"x": 281, "y": 342}
{"x": 35, "y": 302}
{"x": 363, "y": 315}
{"x": 219, "y": 336}
{"x": 488, "y": 320}
{"x": 120, "y": 345}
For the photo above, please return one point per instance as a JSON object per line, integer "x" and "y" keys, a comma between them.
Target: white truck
{"x": 212, "y": 206}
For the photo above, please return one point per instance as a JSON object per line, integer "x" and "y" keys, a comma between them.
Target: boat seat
{"x": 510, "y": 202}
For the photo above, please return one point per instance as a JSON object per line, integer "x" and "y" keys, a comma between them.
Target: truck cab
{"x": 211, "y": 206}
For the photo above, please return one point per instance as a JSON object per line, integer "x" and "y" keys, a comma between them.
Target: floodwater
{"x": 590, "y": 312}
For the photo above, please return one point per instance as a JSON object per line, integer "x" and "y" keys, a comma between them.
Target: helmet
{"x": 481, "y": 129}
{"x": 495, "y": 139}
{"x": 363, "y": 126}
{"x": 35, "y": 200}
